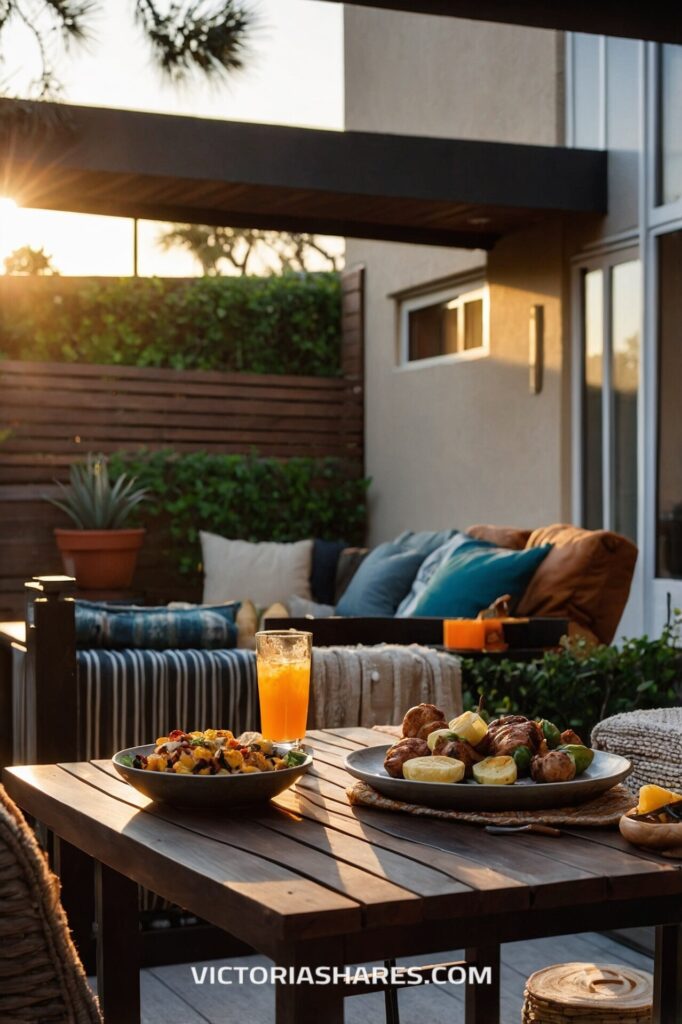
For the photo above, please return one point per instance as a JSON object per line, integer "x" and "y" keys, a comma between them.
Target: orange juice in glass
{"x": 283, "y": 662}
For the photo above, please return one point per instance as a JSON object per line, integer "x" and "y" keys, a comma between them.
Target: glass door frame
{"x": 603, "y": 259}
{"x": 661, "y": 594}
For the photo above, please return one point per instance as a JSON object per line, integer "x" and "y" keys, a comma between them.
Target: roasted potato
{"x": 433, "y": 769}
{"x": 402, "y": 751}
{"x": 421, "y": 715}
{"x": 460, "y": 750}
{"x": 556, "y": 766}
{"x": 496, "y": 771}
{"x": 430, "y": 727}
{"x": 434, "y": 737}
{"x": 470, "y": 727}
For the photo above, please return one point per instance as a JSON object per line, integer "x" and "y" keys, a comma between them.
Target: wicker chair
{"x": 41, "y": 977}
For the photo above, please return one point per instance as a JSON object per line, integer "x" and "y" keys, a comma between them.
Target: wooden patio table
{"x": 310, "y": 880}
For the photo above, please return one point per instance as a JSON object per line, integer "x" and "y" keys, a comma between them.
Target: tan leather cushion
{"x": 502, "y": 536}
{"x": 585, "y": 577}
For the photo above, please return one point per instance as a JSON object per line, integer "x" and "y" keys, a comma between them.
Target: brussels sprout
{"x": 551, "y": 733}
{"x": 522, "y": 758}
{"x": 581, "y": 755}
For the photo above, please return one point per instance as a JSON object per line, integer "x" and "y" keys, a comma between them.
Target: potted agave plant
{"x": 101, "y": 552}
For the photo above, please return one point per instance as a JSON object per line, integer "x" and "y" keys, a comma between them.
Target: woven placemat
{"x": 606, "y": 810}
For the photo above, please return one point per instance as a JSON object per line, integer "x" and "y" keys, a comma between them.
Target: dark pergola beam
{"x": 658, "y": 21}
{"x": 400, "y": 188}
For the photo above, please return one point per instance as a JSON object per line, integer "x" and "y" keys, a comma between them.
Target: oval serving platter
{"x": 605, "y": 772}
{"x": 207, "y": 790}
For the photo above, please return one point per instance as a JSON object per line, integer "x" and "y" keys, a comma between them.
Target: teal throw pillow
{"x": 381, "y": 582}
{"x": 476, "y": 575}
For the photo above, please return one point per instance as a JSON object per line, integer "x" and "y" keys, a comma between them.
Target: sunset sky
{"x": 294, "y": 76}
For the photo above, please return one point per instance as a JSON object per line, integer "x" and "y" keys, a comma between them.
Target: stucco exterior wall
{"x": 463, "y": 442}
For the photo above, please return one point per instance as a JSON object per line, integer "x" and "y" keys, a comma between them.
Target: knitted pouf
{"x": 651, "y": 740}
{"x": 588, "y": 994}
{"x": 41, "y": 977}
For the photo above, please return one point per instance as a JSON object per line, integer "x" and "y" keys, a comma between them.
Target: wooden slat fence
{"x": 54, "y": 413}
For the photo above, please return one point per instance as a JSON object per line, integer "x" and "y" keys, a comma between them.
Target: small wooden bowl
{"x": 662, "y": 836}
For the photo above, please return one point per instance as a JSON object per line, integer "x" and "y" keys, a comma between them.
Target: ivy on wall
{"x": 244, "y": 497}
{"x": 288, "y": 324}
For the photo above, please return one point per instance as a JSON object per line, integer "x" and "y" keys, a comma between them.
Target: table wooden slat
{"x": 258, "y": 895}
{"x": 478, "y": 877}
{"x": 381, "y": 893}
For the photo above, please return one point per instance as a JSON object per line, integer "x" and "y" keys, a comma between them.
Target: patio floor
{"x": 170, "y": 993}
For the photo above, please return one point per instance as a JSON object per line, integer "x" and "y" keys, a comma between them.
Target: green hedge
{"x": 246, "y": 497}
{"x": 580, "y": 685}
{"x": 287, "y": 324}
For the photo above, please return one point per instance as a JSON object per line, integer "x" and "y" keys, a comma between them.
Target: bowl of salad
{"x": 211, "y": 767}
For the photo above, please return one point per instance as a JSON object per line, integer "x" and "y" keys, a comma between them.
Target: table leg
{"x": 296, "y": 1004}
{"x": 668, "y": 975}
{"x": 77, "y": 880}
{"x": 482, "y": 1004}
{"x": 118, "y": 946}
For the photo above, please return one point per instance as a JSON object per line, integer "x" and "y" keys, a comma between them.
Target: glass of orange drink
{"x": 283, "y": 660}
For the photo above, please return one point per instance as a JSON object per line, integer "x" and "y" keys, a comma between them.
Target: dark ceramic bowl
{"x": 207, "y": 790}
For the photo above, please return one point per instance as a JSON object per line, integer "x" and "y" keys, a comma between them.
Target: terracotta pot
{"x": 100, "y": 559}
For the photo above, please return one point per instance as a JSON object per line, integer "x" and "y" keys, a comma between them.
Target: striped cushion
{"x": 129, "y": 697}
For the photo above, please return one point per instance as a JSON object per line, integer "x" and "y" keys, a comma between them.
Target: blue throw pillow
{"x": 156, "y": 628}
{"x": 381, "y": 582}
{"x": 424, "y": 541}
{"x": 476, "y": 575}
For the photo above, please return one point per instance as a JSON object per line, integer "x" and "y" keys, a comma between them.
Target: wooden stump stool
{"x": 589, "y": 993}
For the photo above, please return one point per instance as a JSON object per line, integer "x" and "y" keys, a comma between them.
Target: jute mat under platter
{"x": 606, "y": 810}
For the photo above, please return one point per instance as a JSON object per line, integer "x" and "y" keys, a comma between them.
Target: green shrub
{"x": 287, "y": 324}
{"x": 244, "y": 496}
{"x": 581, "y": 684}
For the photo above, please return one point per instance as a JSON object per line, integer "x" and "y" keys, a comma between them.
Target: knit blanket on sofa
{"x": 376, "y": 685}
{"x": 130, "y": 697}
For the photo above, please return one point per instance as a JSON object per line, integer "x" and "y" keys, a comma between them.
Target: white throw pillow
{"x": 264, "y": 572}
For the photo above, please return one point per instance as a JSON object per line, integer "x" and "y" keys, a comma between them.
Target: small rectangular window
{"x": 444, "y": 325}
